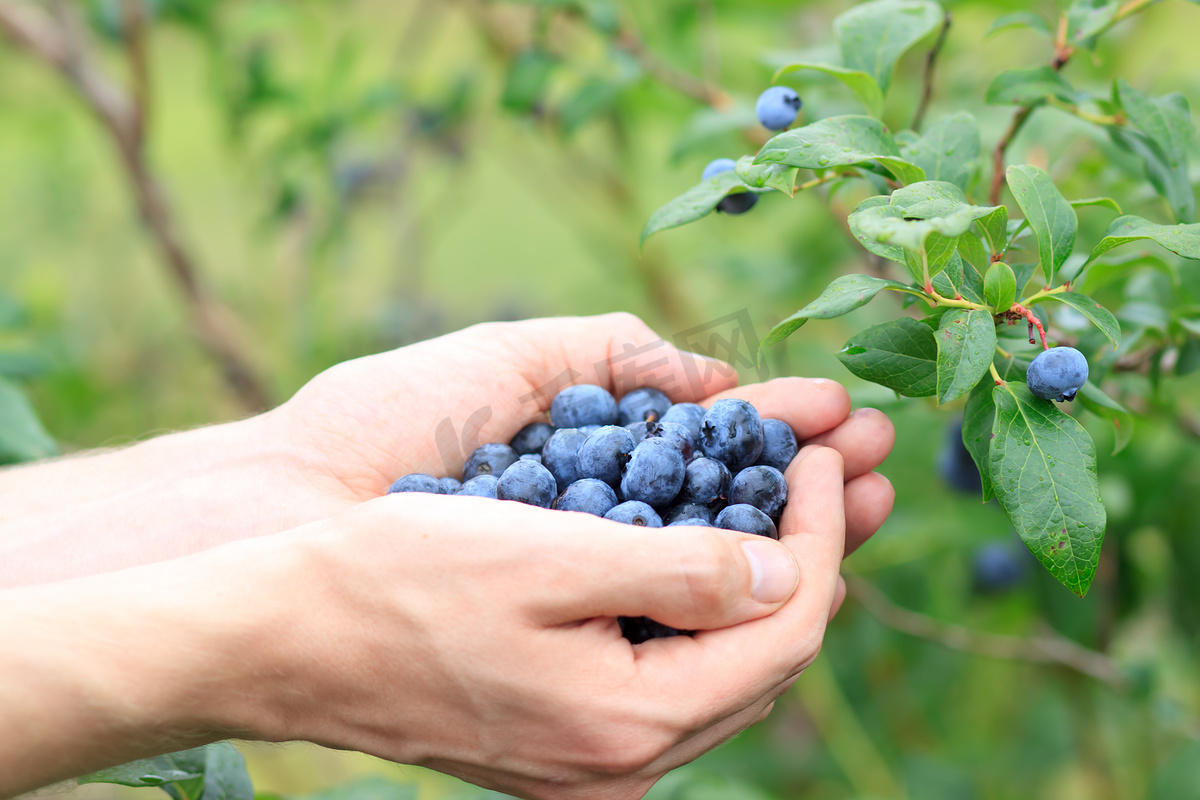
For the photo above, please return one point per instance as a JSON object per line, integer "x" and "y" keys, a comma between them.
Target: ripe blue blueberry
{"x": 689, "y": 415}
{"x": 643, "y": 629}
{"x": 450, "y": 485}
{"x": 763, "y": 487}
{"x": 692, "y": 522}
{"x": 481, "y": 486}
{"x": 605, "y": 453}
{"x": 718, "y": 166}
{"x": 631, "y": 512}
{"x": 489, "y": 459}
{"x": 706, "y": 482}
{"x": 527, "y": 482}
{"x": 1057, "y": 374}
{"x": 688, "y": 511}
{"x": 732, "y": 432}
{"x": 779, "y": 444}
{"x": 561, "y": 455}
{"x": 737, "y": 203}
{"x": 589, "y": 496}
{"x": 417, "y": 482}
{"x": 588, "y": 430}
{"x": 777, "y": 107}
{"x": 955, "y": 464}
{"x": 998, "y": 567}
{"x": 532, "y": 438}
{"x": 654, "y": 473}
{"x": 532, "y": 457}
{"x": 673, "y": 432}
{"x": 643, "y": 405}
{"x": 581, "y": 405}
{"x": 747, "y": 519}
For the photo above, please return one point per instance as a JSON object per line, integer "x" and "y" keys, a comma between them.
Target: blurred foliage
{"x": 360, "y": 175}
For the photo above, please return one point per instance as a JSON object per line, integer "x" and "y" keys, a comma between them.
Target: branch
{"x": 1039, "y": 650}
{"x": 57, "y": 39}
{"x": 930, "y": 66}
{"x": 677, "y": 79}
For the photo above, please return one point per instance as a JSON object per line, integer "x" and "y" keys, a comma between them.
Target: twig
{"x": 1040, "y": 649}
{"x": 677, "y": 79}
{"x": 930, "y": 66}
{"x": 58, "y": 41}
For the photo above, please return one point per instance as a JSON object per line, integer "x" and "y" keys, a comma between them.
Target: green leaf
{"x": 171, "y": 768}
{"x": 695, "y": 203}
{"x": 844, "y": 141}
{"x": 860, "y": 83}
{"x": 971, "y": 248}
{"x": 1098, "y": 314}
{"x": 1025, "y": 87}
{"x": 1019, "y": 19}
{"x": 995, "y": 229}
{"x": 1000, "y": 287}
{"x": 978, "y": 417}
{"x": 901, "y": 355}
{"x": 225, "y": 776}
{"x": 873, "y": 35}
{"x": 1086, "y": 18}
{"x": 780, "y": 177}
{"x": 1103, "y": 406}
{"x": 948, "y": 151}
{"x": 840, "y": 297}
{"x": 1043, "y": 467}
{"x": 528, "y": 76}
{"x": 889, "y": 251}
{"x": 1048, "y": 213}
{"x": 1167, "y": 122}
{"x": 1183, "y": 240}
{"x": 966, "y": 343}
{"x": 1104, "y": 202}
{"x": 22, "y": 437}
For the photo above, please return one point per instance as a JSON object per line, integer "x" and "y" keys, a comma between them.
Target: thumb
{"x": 688, "y": 578}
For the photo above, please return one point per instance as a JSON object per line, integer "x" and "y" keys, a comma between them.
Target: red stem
{"x": 1033, "y": 320}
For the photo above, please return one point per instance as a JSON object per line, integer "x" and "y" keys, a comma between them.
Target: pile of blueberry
{"x": 641, "y": 461}
{"x": 777, "y": 108}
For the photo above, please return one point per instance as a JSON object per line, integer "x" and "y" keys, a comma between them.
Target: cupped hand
{"x": 479, "y": 638}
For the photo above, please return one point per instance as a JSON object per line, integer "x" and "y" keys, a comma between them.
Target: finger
{"x": 739, "y": 664}
{"x": 865, "y": 440}
{"x": 838, "y": 598}
{"x": 617, "y": 351}
{"x": 687, "y": 578}
{"x": 811, "y": 406}
{"x": 869, "y": 501}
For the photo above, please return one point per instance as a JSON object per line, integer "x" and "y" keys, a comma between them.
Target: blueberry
{"x": 689, "y": 415}
{"x": 681, "y": 511}
{"x": 706, "y": 482}
{"x": 779, "y": 444}
{"x": 581, "y": 405}
{"x": 481, "y": 486}
{"x": 588, "y": 430}
{"x": 777, "y": 107}
{"x": 1057, "y": 374}
{"x": 673, "y": 432}
{"x": 605, "y": 453}
{"x": 561, "y": 455}
{"x": 532, "y": 438}
{"x": 489, "y": 459}
{"x": 955, "y": 464}
{"x": 763, "y": 487}
{"x": 417, "y": 482}
{"x": 693, "y": 522}
{"x": 589, "y": 496}
{"x": 998, "y": 567}
{"x": 632, "y": 512}
{"x": 715, "y": 168}
{"x": 747, "y": 519}
{"x": 737, "y": 203}
{"x": 527, "y": 482}
{"x": 732, "y": 432}
{"x": 643, "y": 405}
{"x": 654, "y": 473}
{"x": 450, "y": 485}
{"x": 642, "y": 629}
{"x": 532, "y": 457}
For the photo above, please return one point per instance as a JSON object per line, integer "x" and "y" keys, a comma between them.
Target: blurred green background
{"x": 350, "y": 177}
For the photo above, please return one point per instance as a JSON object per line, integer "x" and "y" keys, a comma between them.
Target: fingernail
{"x": 773, "y": 571}
{"x": 704, "y": 357}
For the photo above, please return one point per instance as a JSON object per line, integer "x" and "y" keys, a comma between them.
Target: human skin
{"x": 355, "y": 428}
{"x": 472, "y": 636}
